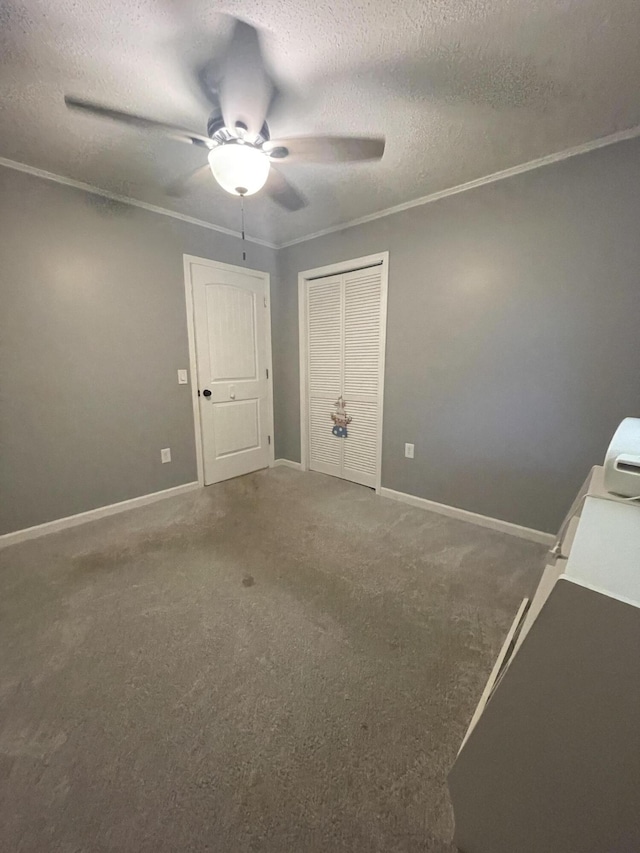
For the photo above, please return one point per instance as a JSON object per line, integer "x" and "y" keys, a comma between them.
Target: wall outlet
{"x": 408, "y": 451}
{"x": 183, "y": 377}
{"x": 165, "y": 454}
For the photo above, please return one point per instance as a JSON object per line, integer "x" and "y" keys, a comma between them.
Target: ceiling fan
{"x": 241, "y": 153}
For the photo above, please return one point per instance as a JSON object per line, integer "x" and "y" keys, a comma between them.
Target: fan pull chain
{"x": 244, "y": 254}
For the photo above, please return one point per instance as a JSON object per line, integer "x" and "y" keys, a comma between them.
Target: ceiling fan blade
{"x": 245, "y": 89}
{"x": 170, "y": 130}
{"x": 283, "y": 193}
{"x": 326, "y": 149}
{"x": 207, "y": 79}
{"x": 182, "y": 185}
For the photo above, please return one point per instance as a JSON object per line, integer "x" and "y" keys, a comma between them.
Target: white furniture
{"x": 622, "y": 462}
{"x": 551, "y": 760}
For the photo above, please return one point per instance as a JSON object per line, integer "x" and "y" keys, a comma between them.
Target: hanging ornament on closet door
{"x": 340, "y": 419}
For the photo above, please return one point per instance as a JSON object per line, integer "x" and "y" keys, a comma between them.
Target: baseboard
{"x": 92, "y": 514}
{"x": 473, "y": 517}
{"x": 287, "y": 463}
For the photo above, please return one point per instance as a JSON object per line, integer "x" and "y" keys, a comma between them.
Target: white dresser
{"x": 551, "y": 760}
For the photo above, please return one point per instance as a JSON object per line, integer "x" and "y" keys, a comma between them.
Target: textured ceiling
{"x": 460, "y": 88}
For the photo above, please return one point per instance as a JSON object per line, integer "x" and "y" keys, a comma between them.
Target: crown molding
{"x": 152, "y": 208}
{"x": 584, "y": 148}
{"x": 567, "y": 153}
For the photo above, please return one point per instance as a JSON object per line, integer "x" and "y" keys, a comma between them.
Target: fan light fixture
{"x": 238, "y": 140}
{"x": 239, "y": 168}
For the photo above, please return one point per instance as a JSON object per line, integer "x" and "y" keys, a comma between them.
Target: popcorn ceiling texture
{"x": 460, "y": 89}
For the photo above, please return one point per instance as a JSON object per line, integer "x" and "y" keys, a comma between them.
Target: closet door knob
{"x": 206, "y": 393}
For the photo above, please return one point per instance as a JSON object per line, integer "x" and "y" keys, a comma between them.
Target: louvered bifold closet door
{"x": 361, "y": 373}
{"x": 324, "y": 341}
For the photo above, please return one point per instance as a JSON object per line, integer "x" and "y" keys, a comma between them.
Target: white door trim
{"x": 193, "y": 364}
{"x": 381, "y": 258}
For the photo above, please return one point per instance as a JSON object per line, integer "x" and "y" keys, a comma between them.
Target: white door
{"x": 345, "y": 321}
{"x": 324, "y": 371}
{"x": 230, "y": 320}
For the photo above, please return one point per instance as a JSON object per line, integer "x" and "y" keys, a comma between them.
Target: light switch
{"x": 408, "y": 451}
{"x": 183, "y": 377}
{"x": 165, "y": 454}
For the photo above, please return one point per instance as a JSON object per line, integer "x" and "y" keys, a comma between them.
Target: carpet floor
{"x": 283, "y": 662}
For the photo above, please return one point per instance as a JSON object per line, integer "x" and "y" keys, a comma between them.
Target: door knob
{"x": 206, "y": 393}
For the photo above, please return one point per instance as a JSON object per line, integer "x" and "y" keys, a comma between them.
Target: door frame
{"x": 193, "y": 362}
{"x": 381, "y": 259}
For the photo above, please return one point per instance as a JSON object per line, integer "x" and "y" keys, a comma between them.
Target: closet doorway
{"x": 342, "y": 325}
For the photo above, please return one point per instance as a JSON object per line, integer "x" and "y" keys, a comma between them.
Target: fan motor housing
{"x": 219, "y": 132}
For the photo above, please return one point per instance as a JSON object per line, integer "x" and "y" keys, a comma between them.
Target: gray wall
{"x": 92, "y": 331}
{"x": 513, "y": 341}
{"x": 513, "y": 345}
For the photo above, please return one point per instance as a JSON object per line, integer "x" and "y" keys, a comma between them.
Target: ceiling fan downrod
{"x": 244, "y": 253}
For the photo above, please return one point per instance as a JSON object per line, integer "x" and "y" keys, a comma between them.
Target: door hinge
{"x": 269, "y": 439}
{"x": 265, "y": 301}
{"x": 267, "y": 372}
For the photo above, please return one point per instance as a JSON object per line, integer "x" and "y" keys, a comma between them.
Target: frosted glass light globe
{"x": 239, "y": 169}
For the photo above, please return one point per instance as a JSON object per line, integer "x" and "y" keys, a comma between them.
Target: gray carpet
{"x": 284, "y": 662}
